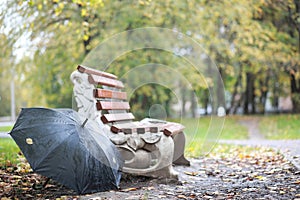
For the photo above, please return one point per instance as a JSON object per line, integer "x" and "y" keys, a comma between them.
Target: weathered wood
{"x": 87, "y": 70}
{"x": 102, "y": 93}
{"x": 112, "y": 105}
{"x": 100, "y": 80}
{"x": 107, "y": 118}
{"x": 129, "y": 128}
{"x": 172, "y": 128}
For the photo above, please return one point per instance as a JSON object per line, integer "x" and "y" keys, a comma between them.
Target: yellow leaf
{"x": 83, "y": 12}
{"x": 129, "y": 189}
{"x": 61, "y": 5}
{"x": 85, "y": 37}
{"x": 40, "y": 6}
{"x": 260, "y": 177}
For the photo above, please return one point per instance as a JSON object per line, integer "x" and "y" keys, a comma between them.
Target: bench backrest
{"x": 111, "y": 101}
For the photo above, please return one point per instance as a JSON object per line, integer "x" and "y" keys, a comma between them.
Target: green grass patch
{"x": 9, "y": 152}
{"x": 5, "y": 128}
{"x": 280, "y": 126}
{"x": 203, "y": 133}
{"x": 240, "y": 151}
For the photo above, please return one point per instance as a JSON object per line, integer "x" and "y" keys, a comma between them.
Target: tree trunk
{"x": 249, "y": 102}
{"x": 193, "y": 104}
{"x": 295, "y": 92}
{"x": 234, "y": 101}
{"x": 220, "y": 90}
{"x": 206, "y": 101}
{"x": 183, "y": 101}
{"x": 264, "y": 88}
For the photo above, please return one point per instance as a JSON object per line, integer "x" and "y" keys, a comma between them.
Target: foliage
{"x": 5, "y": 74}
{"x": 285, "y": 126}
{"x": 250, "y": 41}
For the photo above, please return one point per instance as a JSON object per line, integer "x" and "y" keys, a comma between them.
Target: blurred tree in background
{"x": 255, "y": 44}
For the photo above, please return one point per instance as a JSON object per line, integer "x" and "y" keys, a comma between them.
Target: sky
{"x": 23, "y": 46}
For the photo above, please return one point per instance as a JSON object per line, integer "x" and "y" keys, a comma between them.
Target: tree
{"x": 250, "y": 41}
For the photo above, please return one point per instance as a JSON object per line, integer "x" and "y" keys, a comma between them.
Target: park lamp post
{"x": 12, "y": 92}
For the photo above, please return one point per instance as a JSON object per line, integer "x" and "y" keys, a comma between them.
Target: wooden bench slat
{"x": 131, "y": 127}
{"x": 172, "y": 128}
{"x": 102, "y": 93}
{"x": 84, "y": 69}
{"x": 100, "y": 80}
{"x": 112, "y": 105}
{"x": 106, "y": 118}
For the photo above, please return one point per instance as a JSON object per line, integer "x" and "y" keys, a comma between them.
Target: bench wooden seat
{"x": 132, "y": 127}
{"x": 113, "y": 109}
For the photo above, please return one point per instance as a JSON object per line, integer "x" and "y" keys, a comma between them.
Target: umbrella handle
{"x": 85, "y": 121}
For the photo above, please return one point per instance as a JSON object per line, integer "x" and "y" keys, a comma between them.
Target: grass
{"x": 5, "y": 128}
{"x": 206, "y": 126}
{"x": 203, "y": 133}
{"x": 9, "y": 152}
{"x": 280, "y": 126}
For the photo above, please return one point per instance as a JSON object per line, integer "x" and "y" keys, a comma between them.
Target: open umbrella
{"x": 61, "y": 145}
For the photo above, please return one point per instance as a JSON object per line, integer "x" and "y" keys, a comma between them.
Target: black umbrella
{"x": 61, "y": 145}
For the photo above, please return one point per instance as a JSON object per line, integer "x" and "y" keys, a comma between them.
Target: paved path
{"x": 289, "y": 148}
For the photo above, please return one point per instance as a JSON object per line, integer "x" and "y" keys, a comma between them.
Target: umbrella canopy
{"x": 60, "y": 144}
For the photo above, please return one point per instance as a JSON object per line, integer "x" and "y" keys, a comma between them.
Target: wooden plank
{"x": 100, "y": 80}
{"x": 132, "y": 127}
{"x": 84, "y": 69}
{"x": 112, "y": 105}
{"x": 126, "y": 127}
{"x": 102, "y": 93}
{"x": 172, "y": 128}
{"x": 106, "y": 118}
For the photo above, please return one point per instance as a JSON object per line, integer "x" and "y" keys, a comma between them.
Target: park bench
{"x": 149, "y": 147}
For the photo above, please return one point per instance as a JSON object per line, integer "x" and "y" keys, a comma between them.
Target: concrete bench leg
{"x": 179, "y": 144}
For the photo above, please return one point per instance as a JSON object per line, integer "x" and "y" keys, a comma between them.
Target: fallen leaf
{"x": 207, "y": 197}
{"x": 297, "y": 182}
{"x": 150, "y": 188}
{"x": 260, "y": 178}
{"x": 181, "y": 196}
{"x": 272, "y": 188}
{"x": 129, "y": 189}
{"x": 192, "y": 173}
